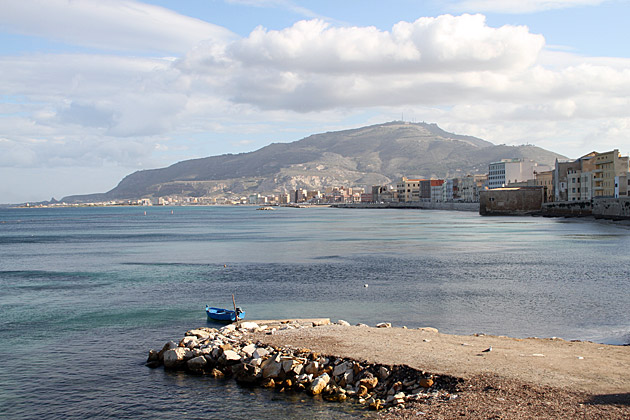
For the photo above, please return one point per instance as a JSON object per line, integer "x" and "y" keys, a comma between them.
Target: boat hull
{"x": 223, "y": 315}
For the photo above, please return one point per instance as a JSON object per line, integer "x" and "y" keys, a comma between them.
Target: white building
{"x": 447, "y": 190}
{"x": 507, "y": 171}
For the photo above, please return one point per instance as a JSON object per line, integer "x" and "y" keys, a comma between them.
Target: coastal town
{"x": 510, "y": 186}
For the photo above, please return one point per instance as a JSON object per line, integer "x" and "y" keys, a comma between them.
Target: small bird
{"x": 365, "y": 285}
{"x": 489, "y": 349}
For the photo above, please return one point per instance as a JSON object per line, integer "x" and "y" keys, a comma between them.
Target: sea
{"x": 85, "y": 293}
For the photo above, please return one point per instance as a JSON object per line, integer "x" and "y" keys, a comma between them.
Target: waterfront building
{"x": 545, "y": 179}
{"x": 507, "y": 171}
{"x": 408, "y": 190}
{"x": 608, "y": 165}
{"x": 622, "y": 185}
{"x": 447, "y": 190}
{"x": 436, "y": 189}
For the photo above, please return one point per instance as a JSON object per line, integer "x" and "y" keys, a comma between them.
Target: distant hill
{"x": 378, "y": 154}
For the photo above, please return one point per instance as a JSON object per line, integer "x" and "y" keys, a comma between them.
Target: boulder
{"x": 168, "y": 346}
{"x": 297, "y": 368}
{"x": 249, "y": 349}
{"x": 153, "y": 360}
{"x": 191, "y": 342}
{"x": 175, "y": 358}
{"x": 287, "y": 364}
{"x": 348, "y": 377}
{"x": 196, "y": 364}
{"x": 248, "y": 326}
{"x": 246, "y": 373}
{"x": 271, "y": 368}
{"x": 230, "y": 357}
{"x": 260, "y": 352}
{"x": 426, "y": 382}
{"x": 200, "y": 334}
{"x": 342, "y": 368}
{"x": 344, "y": 323}
{"x": 369, "y": 383}
{"x": 319, "y": 384}
{"x": 312, "y": 368}
{"x": 154, "y": 356}
{"x": 228, "y": 329}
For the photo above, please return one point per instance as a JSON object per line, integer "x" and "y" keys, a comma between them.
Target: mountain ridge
{"x": 372, "y": 155}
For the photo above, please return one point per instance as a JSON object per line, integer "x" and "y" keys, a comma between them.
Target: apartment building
{"x": 608, "y": 165}
{"x": 408, "y": 190}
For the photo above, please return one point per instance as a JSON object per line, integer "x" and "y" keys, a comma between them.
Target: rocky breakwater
{"x": 230, "y": 352}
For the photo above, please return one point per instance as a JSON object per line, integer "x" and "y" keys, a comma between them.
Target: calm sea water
{"x": 85, "y": 293}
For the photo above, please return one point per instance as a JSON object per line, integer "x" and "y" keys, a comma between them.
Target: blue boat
{"x": 224, "y": 315}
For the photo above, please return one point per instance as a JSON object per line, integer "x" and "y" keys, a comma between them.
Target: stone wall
{"x": 417, "y": 205}
{"x": 600, "y": 208}
{"x": 568, "y": 209}
{"x": 612, "y": 208}
{"x": 511, "y": 201}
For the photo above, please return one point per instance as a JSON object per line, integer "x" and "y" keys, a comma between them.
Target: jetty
{"x": 401, "y": 371}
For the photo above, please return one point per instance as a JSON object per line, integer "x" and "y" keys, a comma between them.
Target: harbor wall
{"x": 416, "y": 205}
{"x": 600, "y": 208}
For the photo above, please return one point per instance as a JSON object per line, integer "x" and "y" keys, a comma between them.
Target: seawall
{"x": 416, "y": 205}
{"x": 600, "y": 208}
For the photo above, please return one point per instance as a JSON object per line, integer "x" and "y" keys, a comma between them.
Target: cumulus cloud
{"x": 113, "y": 24}
{"x": 428, "y": 44}
{"x": 519, "y": 6}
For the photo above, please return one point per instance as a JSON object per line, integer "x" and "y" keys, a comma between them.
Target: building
{"x": 470, "y": 186}
{"x": 622, "y": 185}
{"x": 447, "y": 190}
{"x": 408, "y": 190}
{"x": 545, "y": 179}
{"x": 593, "y": 175}
{"x": 425, "y": 190}
{"x": 501, "y": 174}
{"x": 608, "y": 165}
{"x": 436, "y": 189}
{"x": 367, "y": 198}
{"x": 383, "y": 194}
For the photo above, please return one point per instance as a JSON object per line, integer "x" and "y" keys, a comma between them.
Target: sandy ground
{"x": 518, "y": 378}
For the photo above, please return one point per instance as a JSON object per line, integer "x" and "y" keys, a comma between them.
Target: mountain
{"x": 374, "y": 155}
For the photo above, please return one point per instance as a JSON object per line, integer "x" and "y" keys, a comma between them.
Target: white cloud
{"x": 519, "y": 6}
{"x": 428, "y": 44}
{"x": 113, "y": 24}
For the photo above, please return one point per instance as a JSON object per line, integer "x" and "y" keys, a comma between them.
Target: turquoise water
{"x": 87, "y": 291}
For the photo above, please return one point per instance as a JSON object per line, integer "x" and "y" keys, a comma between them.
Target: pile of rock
{"x": 228, "y": 353}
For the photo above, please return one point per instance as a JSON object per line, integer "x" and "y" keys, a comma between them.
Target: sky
{"x": 93, "y": 90}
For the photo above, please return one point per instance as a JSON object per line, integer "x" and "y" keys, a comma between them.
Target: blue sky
{"x": 92, "y": 90}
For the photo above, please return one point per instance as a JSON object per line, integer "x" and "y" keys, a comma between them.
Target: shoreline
{"x": 553, "y": 376}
